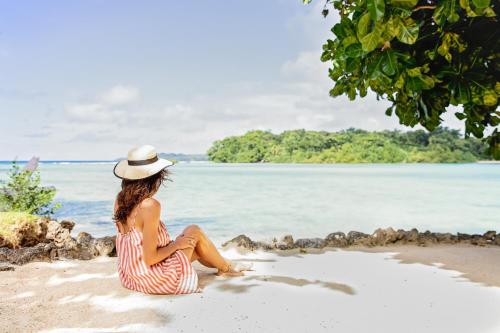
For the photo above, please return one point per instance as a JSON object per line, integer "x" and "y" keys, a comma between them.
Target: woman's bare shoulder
{"x": 150, "y": 203}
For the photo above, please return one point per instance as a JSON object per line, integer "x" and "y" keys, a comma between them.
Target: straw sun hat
{"x": 141, "y": 162}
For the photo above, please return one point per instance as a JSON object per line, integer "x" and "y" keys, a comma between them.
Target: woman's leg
{"x": 205, "y": 251}
{"x": 196, "y": 256}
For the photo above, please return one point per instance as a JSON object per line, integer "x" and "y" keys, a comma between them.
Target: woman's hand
{"x": 184, "y": 242}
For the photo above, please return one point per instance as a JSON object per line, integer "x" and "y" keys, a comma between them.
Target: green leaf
{"x": 439, "y": 15}
{"x": 413, "y": 85}
{"x": 389, "y": 66}
{"x": 481, "y": 3}
{"x": 400, "y": 82}
{"x": 349, "y": 40}
{"x": 466, "y": 5}
{"x": 414, "y": 72}
{"x": 338, "y": 30}
{"x": 354, "y": 50}
{"x": 370, "y": 41}
{"x": 490, "y": 98}
{"x": 391, "y": 29}
{"x": 352, "y": 64}
{"x": 404, "y": 3}
{"x": 363, "y": 25}
{"x": 348, "y": 26}
{"x": 408, "y": 31}
{"x": 374, "y": 68}
{"x": 376, "y": 8}
{"x": 326, "y": 55}
{"x": 427, "y": 82}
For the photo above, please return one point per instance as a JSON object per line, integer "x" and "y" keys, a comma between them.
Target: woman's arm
{"x": 151, "y": 219}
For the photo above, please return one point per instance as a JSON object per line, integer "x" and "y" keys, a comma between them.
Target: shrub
{"x": 22, "y": 193}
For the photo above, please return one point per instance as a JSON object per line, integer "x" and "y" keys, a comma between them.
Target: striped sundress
{"x": 173, "y": 275}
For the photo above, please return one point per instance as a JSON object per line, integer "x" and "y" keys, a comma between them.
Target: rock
{"x": 285, "y": 243}
{"x": 497, "y": 240}
{"x": 355, "y": 235}
{"x": 309, "y": 243}
{"x": 241, "y": 241}
{"x": 401, "y": 236}
{"x": 67, "y": 224}
{"x": 4, "y": 242}
{"x": 21, "y": 256}
{"x": 264, "y": 246}
{"x": 446, "y": 238}
{"x": 85, "y": 247}
{"x": 78, "y": 252}
{"x": 411, "y": 236}
{"x": 84, "y": 238}
{"x": 4, "y": 267}
{"x": 478, "y": 240}
{"x": 336, "y": 239}
{"x": 490, "y": 235}
{"x": 27, "y": 234}
{"x": 427, "y": 238}
{"x": 384, "y": 236}
{"x": 358, "y": 238}
{"x": 104, "y": 246}
{"x": 59, "y": 235}
{"x": 463, "y": 237}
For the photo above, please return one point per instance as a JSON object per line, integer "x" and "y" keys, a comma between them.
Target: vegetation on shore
{"x": 22, "y": 192}
{"x": 349, "y": 146}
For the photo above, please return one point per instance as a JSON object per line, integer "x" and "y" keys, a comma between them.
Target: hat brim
{"x": 124, "y": 171}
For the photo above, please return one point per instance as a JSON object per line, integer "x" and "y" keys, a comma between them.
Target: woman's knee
{"x": 194, "y": 230}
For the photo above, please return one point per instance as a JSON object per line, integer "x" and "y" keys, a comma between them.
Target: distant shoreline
{"x": 249, "y": 163}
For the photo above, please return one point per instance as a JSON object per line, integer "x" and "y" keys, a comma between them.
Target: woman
{"x": 148, "y": 260}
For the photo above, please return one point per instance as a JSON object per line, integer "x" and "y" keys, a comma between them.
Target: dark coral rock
{"x": 309, "y": 243}
{"x": 285, "y": 243}
{"x": 446, "y": 238}
{"x": 463, "y": 237}
{"x": 241, "y": 241}
{"x": 336, "y": 239}
{"x": 21, "y": 256}
{"x": 490, "y": 235}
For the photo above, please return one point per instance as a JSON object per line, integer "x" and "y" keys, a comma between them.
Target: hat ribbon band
{"x": 143, "y": 162}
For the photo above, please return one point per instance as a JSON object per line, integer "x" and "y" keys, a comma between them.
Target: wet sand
{"x": 289, "y": 291}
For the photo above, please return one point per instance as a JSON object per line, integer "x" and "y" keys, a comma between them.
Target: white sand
{"x": 335, "y": 291}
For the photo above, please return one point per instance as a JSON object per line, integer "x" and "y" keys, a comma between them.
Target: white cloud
{"x": 92, "y": 113}
{"x": 110, "y": 106}
{"x": 120, "y": 95}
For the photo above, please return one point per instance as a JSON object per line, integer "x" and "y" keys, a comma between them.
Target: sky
{"x": 91, "y": 79}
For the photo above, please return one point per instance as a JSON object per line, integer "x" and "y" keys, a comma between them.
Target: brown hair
{"x": 134, "y": 191}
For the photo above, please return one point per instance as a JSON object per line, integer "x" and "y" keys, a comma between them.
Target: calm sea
{"x": 266, "y": 200}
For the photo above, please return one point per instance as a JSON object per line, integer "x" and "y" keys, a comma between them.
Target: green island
{"x": 442, "y": 145}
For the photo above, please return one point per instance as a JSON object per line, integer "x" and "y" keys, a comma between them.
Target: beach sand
{"x": 389, "y": 289}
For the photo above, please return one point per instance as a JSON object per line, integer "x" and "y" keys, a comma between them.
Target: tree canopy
{"x": 423, "y": 56}
{"x": 349, "y": 146}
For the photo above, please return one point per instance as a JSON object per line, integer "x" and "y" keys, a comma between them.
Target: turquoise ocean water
{"x": 266, "y": 200}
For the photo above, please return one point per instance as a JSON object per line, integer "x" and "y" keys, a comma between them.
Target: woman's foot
{"x": 239, "y": 266}
{"x": 235, "y": 268}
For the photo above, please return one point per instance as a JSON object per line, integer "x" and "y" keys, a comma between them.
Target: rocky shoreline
{"x": 380, "y": 237}
{"x": 48, "y": 240}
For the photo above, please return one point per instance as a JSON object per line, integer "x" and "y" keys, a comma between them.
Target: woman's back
{"x": 174, "y": 275}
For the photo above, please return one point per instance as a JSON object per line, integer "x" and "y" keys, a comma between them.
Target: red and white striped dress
{"x": 173, "y": 275}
